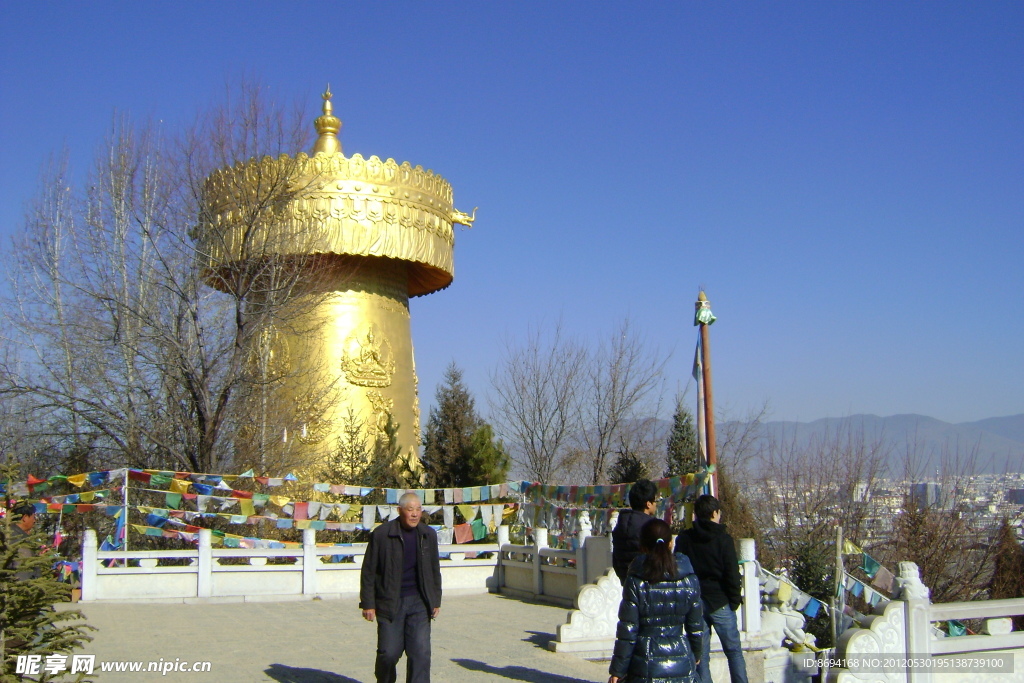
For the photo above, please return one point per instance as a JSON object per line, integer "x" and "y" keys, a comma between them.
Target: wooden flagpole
{"x": 709, "y": 411}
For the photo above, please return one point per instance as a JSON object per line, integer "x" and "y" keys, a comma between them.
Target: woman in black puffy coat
{"x": 660, "y": 599}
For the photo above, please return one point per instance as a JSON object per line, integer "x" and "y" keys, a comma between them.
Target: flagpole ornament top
{"x": 327, "y": 126}
{"x": 334, "y": 206}
{"x": 702, "y": 313}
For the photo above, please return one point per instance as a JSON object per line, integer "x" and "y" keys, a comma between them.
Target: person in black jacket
{"x": 713, "y": 554}
{"x": 660, "y": 598}
{"x": 626, "y": 535}
{"x": 400, "y": 587}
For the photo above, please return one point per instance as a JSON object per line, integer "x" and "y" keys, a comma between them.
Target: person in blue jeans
{"x": 712, "y": 553}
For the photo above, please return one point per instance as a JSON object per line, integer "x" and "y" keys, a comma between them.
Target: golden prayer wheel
{"x": 368, "y": 234}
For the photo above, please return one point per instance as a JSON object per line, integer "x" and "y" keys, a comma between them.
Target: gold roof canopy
{"x": 337, "y": 205}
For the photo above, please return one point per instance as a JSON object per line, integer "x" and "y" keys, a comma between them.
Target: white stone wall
{"x": 216, "y": 574}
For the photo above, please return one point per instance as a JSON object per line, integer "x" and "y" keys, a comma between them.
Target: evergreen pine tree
{"x": 735, "y": 510}
{"x": 29, "y": 623}
{"x": 813, "y": 571}
{"x": 1008, "y": 571}
{"x": 683, "y": 450}
{"x": 388, "y": 466}
{"x": 458, "y": 446}
{"x": 360, "y": 459}
{"x": 488, "y": 460}
{"x": 349, "y": 460}
{"x": 628, "y": 467}
{"x": 449, "y": 433}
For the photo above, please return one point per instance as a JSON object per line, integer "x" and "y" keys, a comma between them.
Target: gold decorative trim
{"x": 388, "y": 304}
{"x": 334, "y": 205}
{"x": 329, "y": 172}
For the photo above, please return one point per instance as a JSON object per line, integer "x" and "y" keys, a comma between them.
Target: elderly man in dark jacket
{"x": 712, "y": 553}
{"x": 626, "y": 534}
{"x": 400, "y": 587}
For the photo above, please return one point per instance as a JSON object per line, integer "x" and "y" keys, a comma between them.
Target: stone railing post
{"x": 540, "y": 540}
{"x": 581, "y": 549}
{"x": 751, "y": 617}
{"x": 89, "y": 561}
{"x": 358, "y": 559}
{"x": 503, "y": 540}
{"x": 204, "y": 571}
{"x": 916, "y": 595}
{"x": 309, "y": 561}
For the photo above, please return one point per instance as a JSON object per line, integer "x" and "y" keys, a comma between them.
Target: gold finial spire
{"x": 327, "y": 126}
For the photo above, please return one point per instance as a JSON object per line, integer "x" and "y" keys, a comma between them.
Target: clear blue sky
{"x": 845, "y": 179}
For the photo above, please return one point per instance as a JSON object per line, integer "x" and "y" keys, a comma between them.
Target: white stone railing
{"x": 904, "y": 633}
{"x": 998, "y": 630}
{"x": 209, "y": 573}
{"x": 538, "y": 572}
{"x": 541, "y": 573}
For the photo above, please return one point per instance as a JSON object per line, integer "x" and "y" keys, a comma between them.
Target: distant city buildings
{"x": 1015, "y": 496}
{"x": 925, "y": 495}
{"x": 986, "y": 499}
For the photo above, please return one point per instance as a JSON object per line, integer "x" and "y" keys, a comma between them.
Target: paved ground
{"x": 475, "y": 638}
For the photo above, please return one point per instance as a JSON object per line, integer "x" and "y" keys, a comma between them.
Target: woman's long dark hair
{"x": 660, "y": 565}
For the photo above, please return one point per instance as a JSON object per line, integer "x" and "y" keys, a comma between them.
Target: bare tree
{"x": 739, "y": 444}
{"x": 563, "y": 407}
{"x": 806, "y": 489}
{"x": 124, "y": 347}
{"x": 952, "y": 545}
{"x": 739, "y": 441}
{"x": 621, "y": 383}
{"x": 535, "y": 401}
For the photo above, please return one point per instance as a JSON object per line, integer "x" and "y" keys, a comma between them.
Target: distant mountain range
{"x": 996, "y": 443}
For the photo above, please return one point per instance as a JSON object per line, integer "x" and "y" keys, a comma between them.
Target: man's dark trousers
{"x": 408, "y": 631}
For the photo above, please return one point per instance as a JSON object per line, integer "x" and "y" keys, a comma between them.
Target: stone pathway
{"x": 475, "y": 638}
